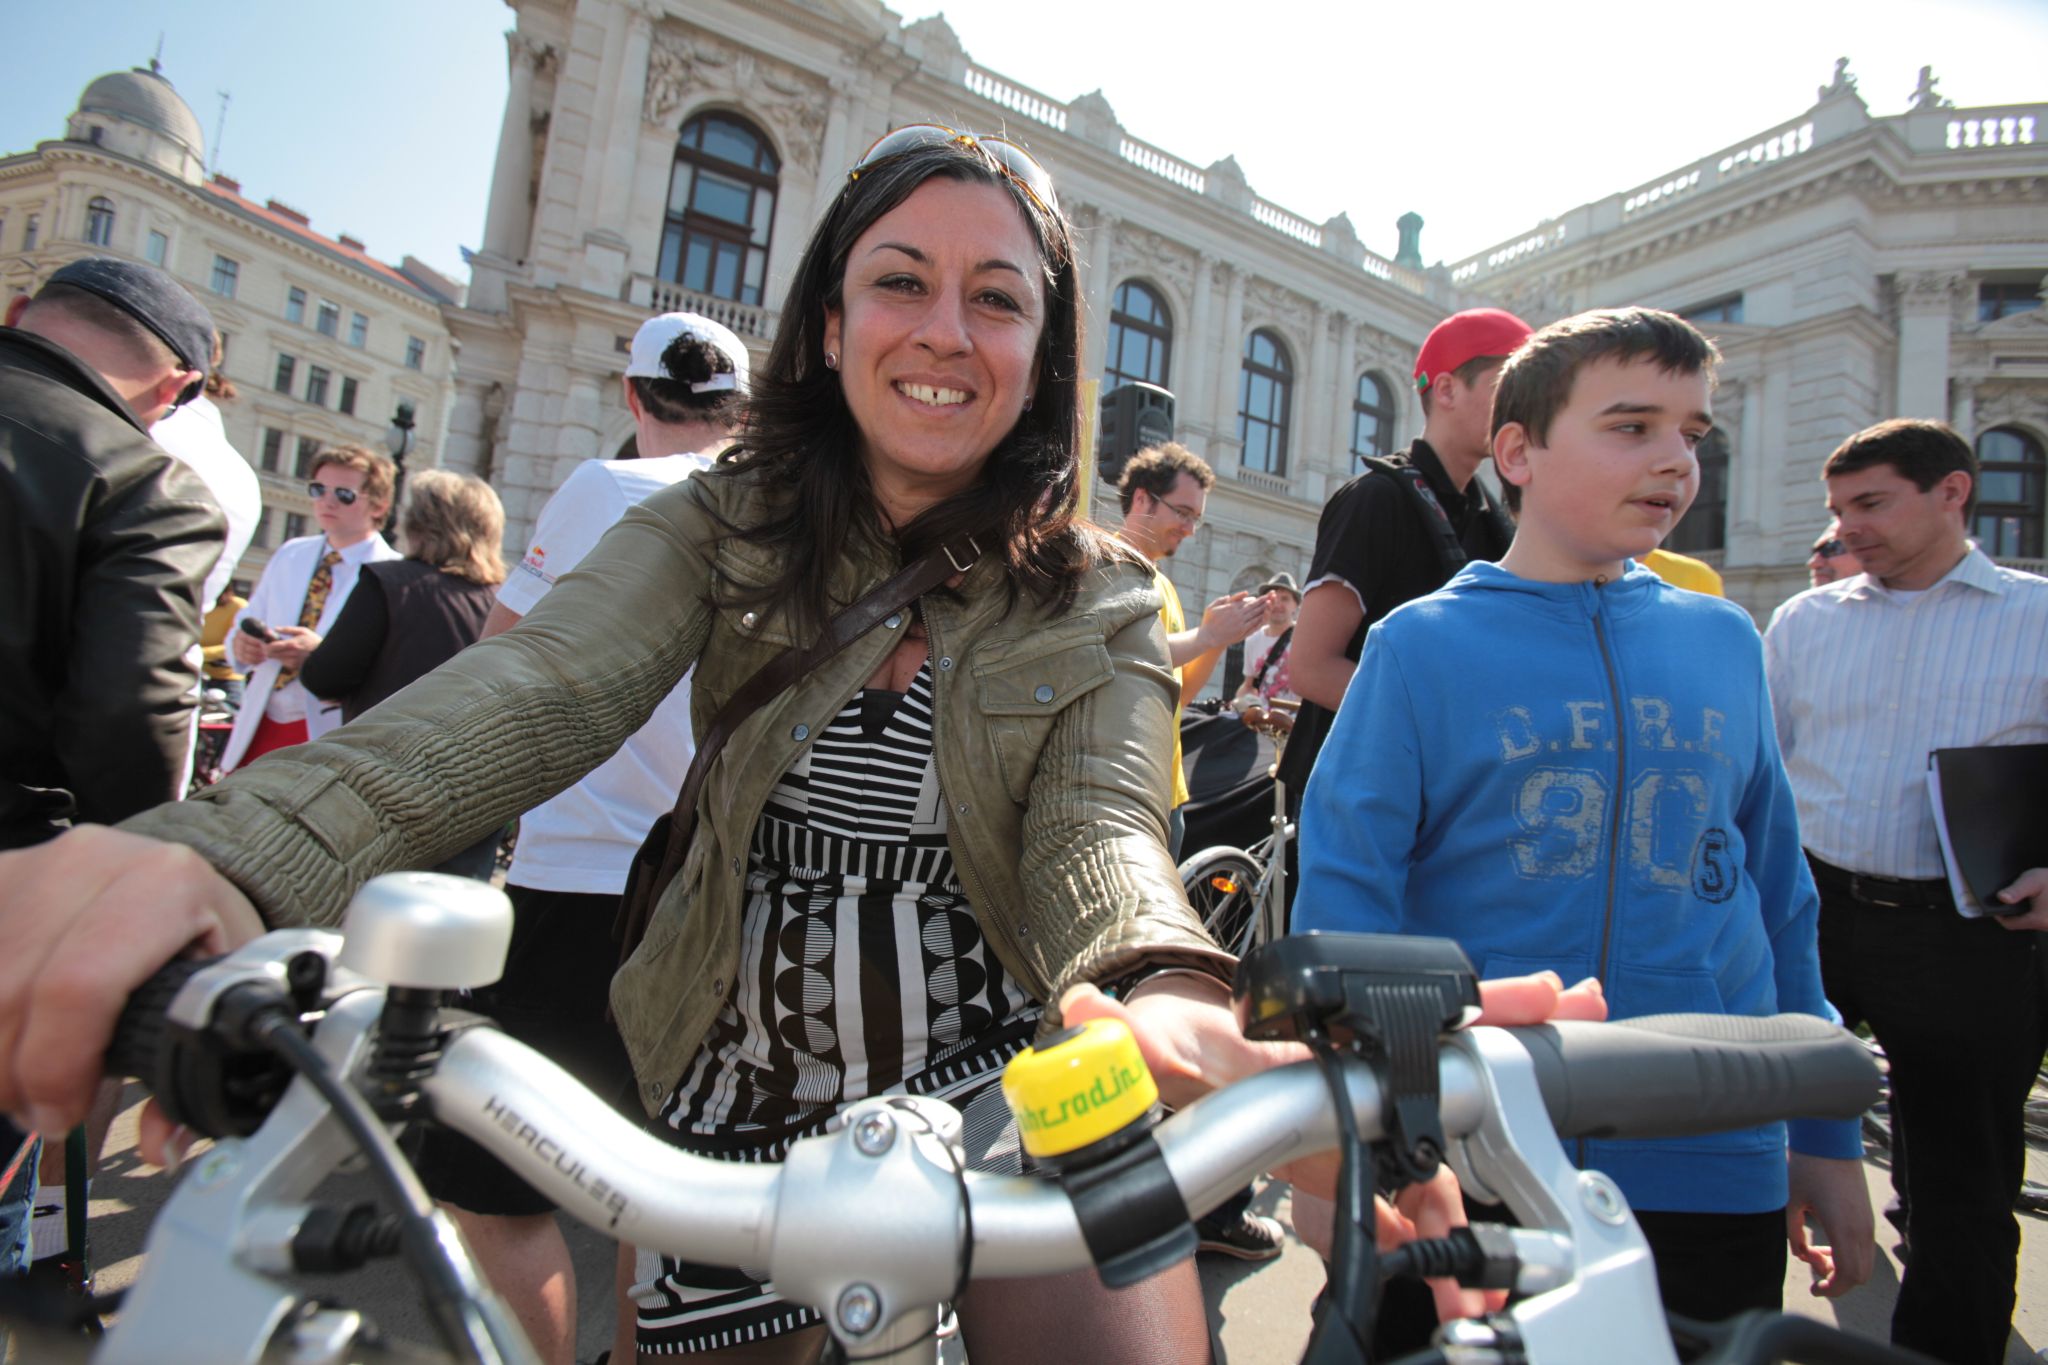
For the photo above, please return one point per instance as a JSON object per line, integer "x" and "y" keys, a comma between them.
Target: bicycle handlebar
{"x": 889, "y": 1181}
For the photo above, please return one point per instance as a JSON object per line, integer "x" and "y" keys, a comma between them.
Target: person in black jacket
{"x": 409, "y": 616}
{"x": 105, "y": 543}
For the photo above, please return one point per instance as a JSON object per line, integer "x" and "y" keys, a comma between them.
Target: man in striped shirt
{"x": 1931, "y": 646}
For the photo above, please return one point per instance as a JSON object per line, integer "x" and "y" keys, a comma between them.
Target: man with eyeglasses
{"x": 1832, "y": 560}
{"x": 1164, "y": 491}
{"x": 302, "y": 590}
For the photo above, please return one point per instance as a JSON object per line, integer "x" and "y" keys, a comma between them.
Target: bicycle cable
{"x": 1354, "y": 1267}
{"x": 447, "y": 1298}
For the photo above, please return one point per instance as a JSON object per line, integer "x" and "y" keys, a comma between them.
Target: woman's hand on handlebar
{"x": 1184, "y": 1026}
{"x": 86, "y": 919}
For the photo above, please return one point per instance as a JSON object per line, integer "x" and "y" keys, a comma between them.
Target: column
{"x": 1229, "y": 361}
{"x": 1344, "y": 375}
{"x": 1096, "y": 288}
{"x": 1926, "y": 311}
{"x": 605, "y": 248}
{"x": 505, "y": 224}
{"x": 1963, "y": 409}
{"x": 1308, "y": 451}
{"x": 838, "y": 153}
{"x": 1191, "y": 346}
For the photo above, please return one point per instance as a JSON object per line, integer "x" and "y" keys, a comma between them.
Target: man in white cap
{"x": 685, "y": 385}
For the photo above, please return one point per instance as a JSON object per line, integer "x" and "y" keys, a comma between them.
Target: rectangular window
{"x": 415, "y": 353}
{"x": 1995, "y": 301}
{"x": 31, "y": 232}
{"x": 273, "y": 448}
{"x": 1716, "y": 310}
{"x": 328, "y": 321}
{"x": 261, "y": 539}
{"x": 302, "y": 465}
{"x": 358, "y": 331}
{"x": 287, "y": 366}
{"x": 316, "y": 385}
{"x": 226, "y": 274}
{"x": 158, "y": 248}
{"x": 295, "y": 306}
{"x": 294, "y": 525}
{"x": 348, "y": 396}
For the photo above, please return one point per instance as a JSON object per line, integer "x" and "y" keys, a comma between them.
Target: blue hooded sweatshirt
{"x": 1583, "y": 778}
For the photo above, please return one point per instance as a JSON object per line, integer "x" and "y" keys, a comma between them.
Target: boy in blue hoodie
{"x": 1566, "y": 764}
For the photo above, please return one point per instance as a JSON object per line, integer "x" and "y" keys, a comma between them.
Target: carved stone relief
{"x": 683, "y": 69}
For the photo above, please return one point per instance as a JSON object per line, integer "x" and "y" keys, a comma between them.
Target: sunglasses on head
{"x": 1831, "y": 548}
{"x": 345, "y": 496}
{"x": 1016, "y": 164}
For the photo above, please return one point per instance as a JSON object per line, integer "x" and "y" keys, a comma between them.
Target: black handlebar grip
{"x": 1677, "y": 1075}
{"x": 144, "y": 1026}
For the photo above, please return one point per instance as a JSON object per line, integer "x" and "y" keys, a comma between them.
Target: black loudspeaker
{"x": 1134, "y": 416}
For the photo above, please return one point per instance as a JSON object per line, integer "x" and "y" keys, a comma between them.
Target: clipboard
{"x": 1991, "y": 814}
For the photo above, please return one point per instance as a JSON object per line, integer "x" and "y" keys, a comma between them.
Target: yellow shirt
{"x": 1683, "y": 571}
{"x": 1171, "y": 616}
{"x": 220, "y": 666}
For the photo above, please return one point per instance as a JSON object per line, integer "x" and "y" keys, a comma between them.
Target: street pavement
{"x": 1259, "y": 1314}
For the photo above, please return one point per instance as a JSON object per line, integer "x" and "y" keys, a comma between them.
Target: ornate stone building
{"x": 1853, "y": 268}
{"x": 324, "y": 341}
{"x": 656, "y": 155}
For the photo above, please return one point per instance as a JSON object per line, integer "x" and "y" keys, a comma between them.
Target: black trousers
{"x": 1957, "y": 1005}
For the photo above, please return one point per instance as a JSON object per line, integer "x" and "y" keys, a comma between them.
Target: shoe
{"x": 1249, "y": 1237}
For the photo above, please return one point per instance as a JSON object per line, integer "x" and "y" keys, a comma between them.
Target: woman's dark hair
{"x": 801, "y": 434}
{"x": 692, "y": 360}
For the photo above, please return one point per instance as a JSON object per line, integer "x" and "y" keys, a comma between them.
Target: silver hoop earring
{"x": 831, "y": 360}
{"x": 1027, "y": 405}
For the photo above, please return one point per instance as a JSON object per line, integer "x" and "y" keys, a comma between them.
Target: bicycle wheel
{"x": 1223, "y": 886}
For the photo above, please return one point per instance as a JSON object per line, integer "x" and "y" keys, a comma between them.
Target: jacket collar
{"x": 41, "y": 353}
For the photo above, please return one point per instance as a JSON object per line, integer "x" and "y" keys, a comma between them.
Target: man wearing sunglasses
{"x": 295, "y": 602}
{"x": 1831, "y": 559}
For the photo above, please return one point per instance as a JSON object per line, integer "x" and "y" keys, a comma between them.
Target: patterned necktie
{"x": 317, "y": 589}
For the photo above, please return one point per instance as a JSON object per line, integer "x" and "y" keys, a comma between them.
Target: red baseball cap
{"x": 1467, "y": 336}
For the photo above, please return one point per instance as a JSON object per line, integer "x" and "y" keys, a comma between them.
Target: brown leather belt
{"x": 1891, "y": 893}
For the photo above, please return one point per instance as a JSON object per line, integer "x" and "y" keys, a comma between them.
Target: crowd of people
{"x": 958, "y": 826}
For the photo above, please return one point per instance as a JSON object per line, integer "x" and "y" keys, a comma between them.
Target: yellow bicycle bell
{"x": 1078, "y": 1088}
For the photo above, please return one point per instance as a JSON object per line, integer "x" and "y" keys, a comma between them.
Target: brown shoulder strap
{"x": 906, "y": 586}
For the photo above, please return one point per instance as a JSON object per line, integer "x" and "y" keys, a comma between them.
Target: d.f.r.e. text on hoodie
{"x": 1582, "y": 777}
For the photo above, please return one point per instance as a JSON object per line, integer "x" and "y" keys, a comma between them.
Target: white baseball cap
{"x": 657, "y": 334}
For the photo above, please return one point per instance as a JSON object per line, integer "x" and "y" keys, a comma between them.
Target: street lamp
{"x": 398, "y": 440}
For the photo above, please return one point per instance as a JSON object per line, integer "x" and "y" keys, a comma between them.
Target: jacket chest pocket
{"x": 746, "y": 635}
{"x": 1023, "y": 684}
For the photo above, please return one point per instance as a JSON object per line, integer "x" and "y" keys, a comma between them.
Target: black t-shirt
{"x": 1375, "y": 537}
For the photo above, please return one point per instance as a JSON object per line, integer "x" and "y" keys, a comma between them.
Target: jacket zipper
{"x": 978, "y": 900}
{"x": 1615, "y": 802}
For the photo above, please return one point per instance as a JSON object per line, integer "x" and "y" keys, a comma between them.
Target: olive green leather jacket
{"x": 1052, "y": 734}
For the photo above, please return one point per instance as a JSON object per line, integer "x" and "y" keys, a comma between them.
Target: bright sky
{"x": 380, "y": 117}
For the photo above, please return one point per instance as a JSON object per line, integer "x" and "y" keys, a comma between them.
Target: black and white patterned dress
{"x": 863, "y": 972}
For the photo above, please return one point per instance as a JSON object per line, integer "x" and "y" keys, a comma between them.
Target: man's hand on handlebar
{"x": 87, "y": 918}
{"x": 1184, "y": 1026}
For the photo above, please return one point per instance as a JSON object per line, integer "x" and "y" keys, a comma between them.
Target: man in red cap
{"x": 1401, "y": 529}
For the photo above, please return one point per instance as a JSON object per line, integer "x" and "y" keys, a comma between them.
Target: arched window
{"x": 1372, "y": 417}
{"x": 2010, "y": 476}
{"x": 721, "y": 205}
{"x": 1705, "y": 526}
{"x": 1140, "y": 338}
{"x": 1264, "y": 388}
{"x": 99, "y": 221}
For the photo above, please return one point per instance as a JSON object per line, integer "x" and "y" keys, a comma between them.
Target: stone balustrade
{"x": 1016, "y": 98}
{"x": 1146, "y": 157}
{"x": 2017, "y": 126}
{"x": 666, "y": 296}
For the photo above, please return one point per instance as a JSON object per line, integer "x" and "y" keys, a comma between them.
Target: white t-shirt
{"x": 584, "y": 839}
{"x": 194, "y": 436}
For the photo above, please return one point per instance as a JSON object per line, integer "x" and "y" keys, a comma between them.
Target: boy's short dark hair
{"x": 1156, "y": 469}
{"x": 1466, "y": 374}
{"x": 1536, "y": 382}
{"x": 1925, "y": 452}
